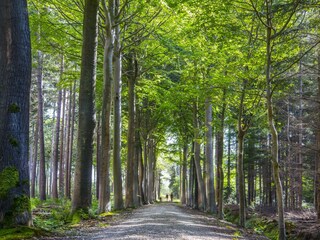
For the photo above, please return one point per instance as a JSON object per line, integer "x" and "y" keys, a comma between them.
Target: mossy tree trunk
{"x": 15, "y": 72}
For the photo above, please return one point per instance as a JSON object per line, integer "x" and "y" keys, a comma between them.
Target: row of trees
{"x": 205, "y": 75}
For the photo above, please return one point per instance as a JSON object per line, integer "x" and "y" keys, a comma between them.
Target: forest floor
{"x": 162, "y": 221}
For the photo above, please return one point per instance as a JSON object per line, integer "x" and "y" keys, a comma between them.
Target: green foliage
{"x": 9, "y": 178}
{"x": 53, "y": 214}
{"x": 19, "y": 233}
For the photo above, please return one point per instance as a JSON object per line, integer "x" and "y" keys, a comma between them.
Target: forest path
{"x": 169, "y": 221}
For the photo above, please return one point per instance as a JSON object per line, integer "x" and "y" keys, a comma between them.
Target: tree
{"x": 15, "y": 72}
{"x": 211, "y": 206}
{"x": 83, "y": 177}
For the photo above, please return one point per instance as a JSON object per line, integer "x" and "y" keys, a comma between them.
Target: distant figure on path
{"x": 167, "y": 197}
{"x": 171, "y": 197}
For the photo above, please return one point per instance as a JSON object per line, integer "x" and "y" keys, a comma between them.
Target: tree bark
{"x": 62, "y": 149}
{"x": 220, "y": 176}
{"x": 131, "y": 136}
{"x": 55, "y": 157}
{"x": 210, "y": 190}
{"x": 83, "y": 171}
{"x": 35, "y": 159}
{"x": 201, "y": 185}
{"x": 317, "y": 182}
{"x": 184, "y": 174}
{"x": 15, "y": 72}
{"x": 42, "y": 162}
{"x": 273, "y": 130}
{"x": 104, "y": 165}
{"x": 117, "y": 172}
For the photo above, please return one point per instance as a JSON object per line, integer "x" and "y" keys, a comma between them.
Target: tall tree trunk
{"x": 150, "y": 163}
{"x": 117, "y": 172}
{"x": 317, "y": 182}
{"x": 300, "y": 129}
{"x": 104, "y": 165}
{"x": 191, "y": 179}
{"x": 62, "y": 143}
{"x": 201, "y": 185}
{"x": 273, "y": 130}
{"x": 131, "y": 137}
{"x": 242, "y": 130}
{"x": 68, "y": 174}
{"x": 210, "y": 190}
{"x": 98, "y": 154}
{"x": 42, "y": 162}
{"x": 55, "y": 157}
{"x": 67, "y": 147}
{"x": 15, "y": 72}
{"x": 184, "y": 174}
{"x": 83, "y": 171}
{"x": 220, "y": 177}
{"x": 35, "y": 159}
{"x": 229, "y": 165}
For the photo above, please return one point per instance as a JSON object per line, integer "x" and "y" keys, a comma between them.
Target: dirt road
{"x": 169, "y": 221}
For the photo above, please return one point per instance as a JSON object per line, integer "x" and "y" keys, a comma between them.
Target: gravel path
{"x": 169, "y": 221}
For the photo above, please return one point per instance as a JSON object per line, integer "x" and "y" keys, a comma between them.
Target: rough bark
{"x": 210, "y": 190}
{"x": 15, "y": 72}
{"x": 83, "y": 170}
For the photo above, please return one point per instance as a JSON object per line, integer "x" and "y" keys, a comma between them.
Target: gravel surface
{"x": 168, "y": 221}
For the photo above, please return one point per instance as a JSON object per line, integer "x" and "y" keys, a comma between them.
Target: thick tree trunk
{"x": 42, "y": 162}
{"x": 201, "y": 185}
{"x": 210, "y": 190}
{"x": 15, "y": 72}
{"x": 83, "y": 171}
